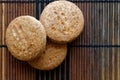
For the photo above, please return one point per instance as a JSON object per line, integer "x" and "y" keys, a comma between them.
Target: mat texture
{"x": 94, "y": 55}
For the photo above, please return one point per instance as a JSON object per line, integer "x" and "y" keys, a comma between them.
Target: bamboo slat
{"x": 0, "y": 41}
{"x": 0, "y": 23}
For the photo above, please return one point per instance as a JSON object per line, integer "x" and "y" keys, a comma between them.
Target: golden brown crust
{"x": 63, "y": 21}
{"x": 51, "y": 58}
{"x": 25, "y": 38}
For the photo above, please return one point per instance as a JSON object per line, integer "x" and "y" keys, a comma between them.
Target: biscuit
{"x": 51, "y": 58}
{"x": 63, "y": 21}
{"x": 25, "y": 38}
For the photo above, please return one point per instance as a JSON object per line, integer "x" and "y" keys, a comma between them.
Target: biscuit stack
{"x": 43, "y": 44}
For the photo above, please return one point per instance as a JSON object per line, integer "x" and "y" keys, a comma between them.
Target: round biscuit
{"x": 25, "y": 38}
{"x": 51, "y": 58}
{"x": 63, "y": 21}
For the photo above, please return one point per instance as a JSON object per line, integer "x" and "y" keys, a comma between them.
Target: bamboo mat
{"x": 94, "y": 55}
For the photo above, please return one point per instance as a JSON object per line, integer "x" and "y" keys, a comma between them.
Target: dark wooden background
{"x": 94, "y": 55}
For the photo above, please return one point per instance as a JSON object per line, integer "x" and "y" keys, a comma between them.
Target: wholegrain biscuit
{"x": 63, "y": 21}
{"x": 51, "y": 58}
{"x": 25, "y": 38}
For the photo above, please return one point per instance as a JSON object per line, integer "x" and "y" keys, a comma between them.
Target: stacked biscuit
{"x": 60, "y": 21}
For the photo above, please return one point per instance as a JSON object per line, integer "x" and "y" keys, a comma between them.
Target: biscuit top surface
{"x": 62, "y": 20}
{"x": 51, "y": 58}
{"x": 25, "y": 38}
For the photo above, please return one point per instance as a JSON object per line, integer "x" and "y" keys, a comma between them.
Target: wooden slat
{"x": 3, "y": 42}
{"x": 0, "y": 63}
{"x": 118, "y": 41}
{"x": 0, "y": 41}
{"x": 0, "y": 23}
